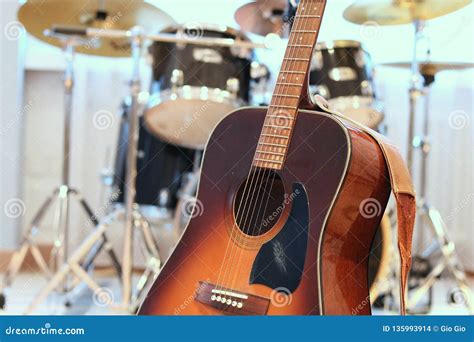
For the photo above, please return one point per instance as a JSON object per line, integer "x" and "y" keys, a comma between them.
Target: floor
{"x": 84, "y": 302}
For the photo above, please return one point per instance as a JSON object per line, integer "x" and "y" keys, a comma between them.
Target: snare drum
{"x": 195, "y": 86}
{"x": 341, "y": 72}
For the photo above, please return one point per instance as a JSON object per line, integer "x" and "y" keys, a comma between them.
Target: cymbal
{"x": 431, "y": 68}
{"x": 39, "y": 15}
{"x": 396, "y": 12}
{"x": 262, "y": 17}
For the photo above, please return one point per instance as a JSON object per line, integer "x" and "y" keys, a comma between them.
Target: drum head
{"x": 187, "y": 122}
{"x": 363, "y": 109}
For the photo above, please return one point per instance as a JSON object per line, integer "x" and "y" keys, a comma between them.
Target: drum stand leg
{"x": 427, "y": 214}
{"x": 152, "y": 257}
{"x": 59, "y": 253}
{"x": 449, "y": 260}
{"x": 27, "y": 244}
{"x": 63, "y": 195}
{"x": 89, "y": 249}
{"x": 72, "y": 266}
{"x": 133, "y": 218}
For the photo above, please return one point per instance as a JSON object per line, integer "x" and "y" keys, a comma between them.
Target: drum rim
{"x": 207, "y": 26}
{"x": 339, "y": 43}
{"x": 166, "y": 94}
{"x": 376, "y": 105}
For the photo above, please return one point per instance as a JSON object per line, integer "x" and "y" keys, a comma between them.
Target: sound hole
{"x": 259, "y": 202}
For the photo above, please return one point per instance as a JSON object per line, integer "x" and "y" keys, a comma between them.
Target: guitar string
{"x": 253, "y": 171}
{"x": 269, "y": 171}
{"x": 253, "y": 178}
{"x": 274, "y": 174}
{"x": 262, "y": 173}
{"x": 252, "y": 222}
{"x": 230, "y": 242}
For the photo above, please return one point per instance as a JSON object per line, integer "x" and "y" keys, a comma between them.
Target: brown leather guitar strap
{"x": 403, "y": 191}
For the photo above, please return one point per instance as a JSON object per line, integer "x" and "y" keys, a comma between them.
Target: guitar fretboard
{"x": 281, "y": 115}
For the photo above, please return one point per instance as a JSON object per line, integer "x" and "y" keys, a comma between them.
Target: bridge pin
{"x": 228, "y": 301}
{"x": 240, "y": 305}
{"x": 234, "y": 303}
{"x": 213, "y": 297}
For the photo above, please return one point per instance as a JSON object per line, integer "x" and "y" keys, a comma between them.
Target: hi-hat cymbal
{"x": 395, "y": 12}
{"x": 262, "y": 17}
{"x": 39, "y": 15}
{"x": 431, "y": 68}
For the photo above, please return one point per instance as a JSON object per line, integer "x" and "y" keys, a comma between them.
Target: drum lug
{"x": 366, "y": 88}
{"x": 177, "y": 78}
{"x": 233, "y": 86}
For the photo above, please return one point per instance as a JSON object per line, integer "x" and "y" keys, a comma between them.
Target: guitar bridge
{"x": 231, "y": 301}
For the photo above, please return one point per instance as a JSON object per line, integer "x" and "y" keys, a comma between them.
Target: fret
{"x": 272, "y": 144}
{"x": 276, "y": 126}
{"x": 307, "y": 16}
{"x": 275, "y": 136}
{"x": 288, "y": 84}
{"x": 282, "y": 106}
{"x": 280, "y": 117}
{"x": 304, "y": 31}
{"x": 269, "y": 160}
{"x": 274, "y": 153}
{"x": 296, "y": 59}
{"x": 287, "y": 95}
{"x": 300, "y": 45}
{"x": 292, "y": 72}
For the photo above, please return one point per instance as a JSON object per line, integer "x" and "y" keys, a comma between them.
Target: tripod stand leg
{"x": 40, "y": 260}
{"x": 19, "y": 256}
{"x": 54, "y": 283}
{"x": 448, "y": 251}
{"x": 150, "y": 247}
{"x": 148, "y": 238}
{"x": 15, "y": 264}
{"x": 88, "y": 261}
{"x": 73, "y": 262}
{"x": 426, "y": 285}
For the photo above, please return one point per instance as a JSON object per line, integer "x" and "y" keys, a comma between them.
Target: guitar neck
{"x": 290, "y": 86}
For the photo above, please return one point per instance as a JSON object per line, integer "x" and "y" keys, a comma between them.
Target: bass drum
{"x": 161, "y": 167}
{"x": 380, "y": 258}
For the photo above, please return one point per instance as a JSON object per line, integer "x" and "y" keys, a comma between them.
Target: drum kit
{"x": 201, "y": 72}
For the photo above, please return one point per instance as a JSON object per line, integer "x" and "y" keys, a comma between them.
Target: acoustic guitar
{"x": 288, "y": 204}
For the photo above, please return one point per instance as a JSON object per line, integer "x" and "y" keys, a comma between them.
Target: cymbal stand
{"x": 427, "y": 214}
{"x": 129, "y": 212}
{"x": 62, "y": 195}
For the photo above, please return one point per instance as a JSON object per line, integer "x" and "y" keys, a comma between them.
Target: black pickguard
{"x": 280, "y": 261}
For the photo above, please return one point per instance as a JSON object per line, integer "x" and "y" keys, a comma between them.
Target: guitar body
{"x": 311, "y": 257}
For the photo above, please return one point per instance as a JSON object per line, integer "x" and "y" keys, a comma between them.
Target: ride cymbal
{"x": 40, "y": 15}
{"x": 396, "y": 12}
